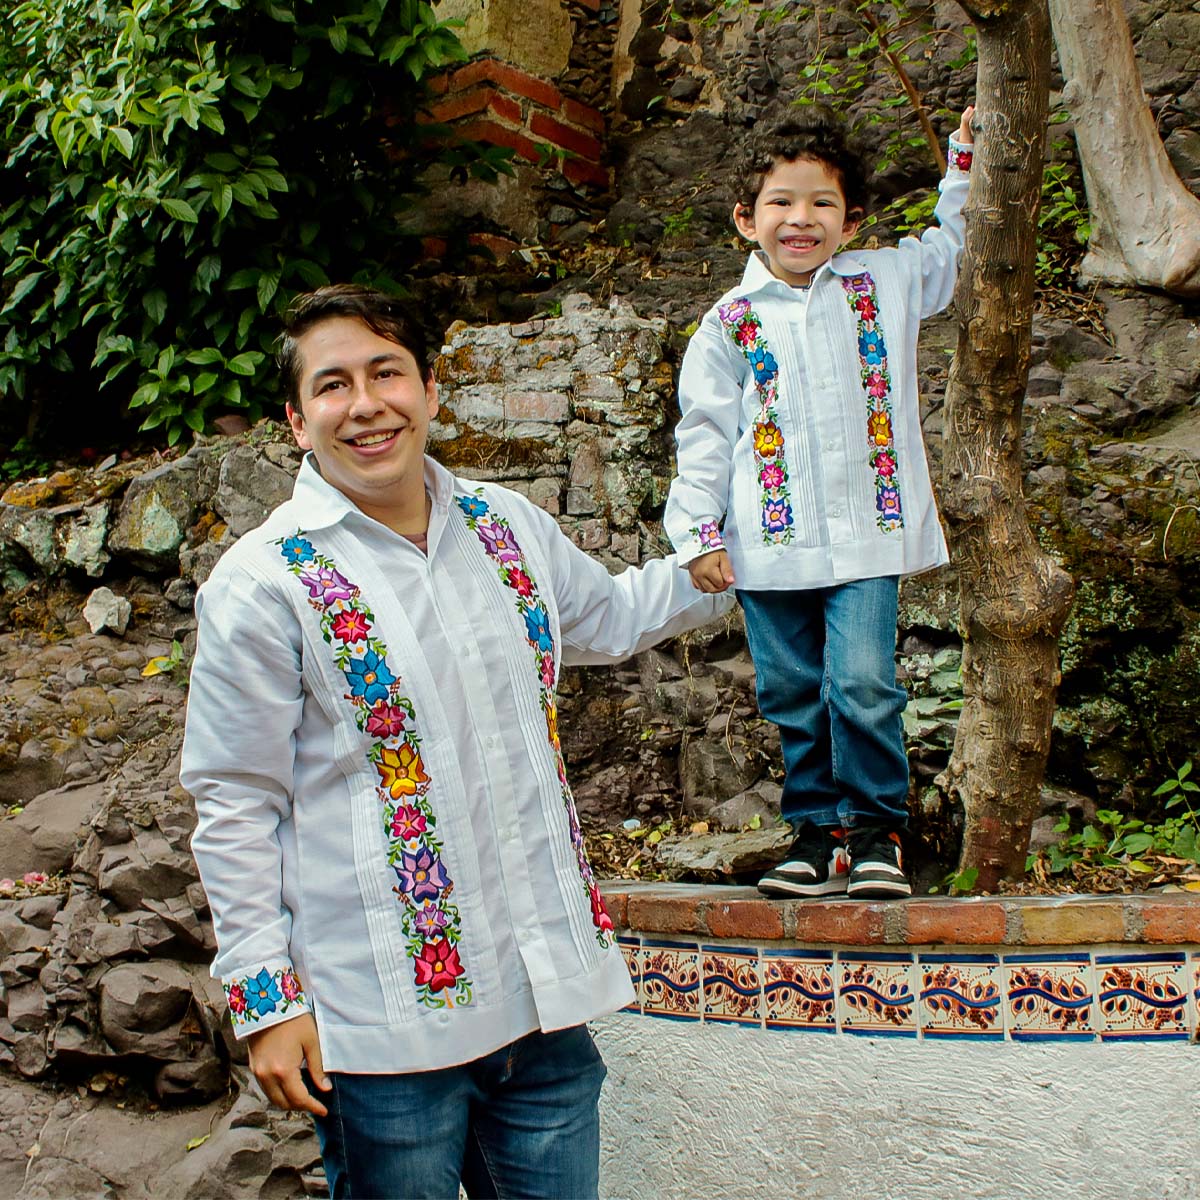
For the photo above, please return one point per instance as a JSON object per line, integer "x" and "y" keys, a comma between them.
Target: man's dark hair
{"x": 812, "y": 133}
{"x": 383, "y": 314}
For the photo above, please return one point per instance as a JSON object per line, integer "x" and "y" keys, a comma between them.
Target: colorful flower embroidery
{"x": 877, "y": 383}
{"x": 960, "y": 157}
{"x": 775, "y": 501}
{"x": 708, "y": 535}
{"x": 432, "y": 924}
{"x": 253, "y": 997}
{"x": 501, "y": 546}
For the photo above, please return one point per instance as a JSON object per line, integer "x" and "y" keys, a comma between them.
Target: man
{"x": 409, "y": 932}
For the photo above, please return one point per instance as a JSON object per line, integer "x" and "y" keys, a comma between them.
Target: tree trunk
{"x": 1013, "y": 599}
{"x": 1145, "y": 223}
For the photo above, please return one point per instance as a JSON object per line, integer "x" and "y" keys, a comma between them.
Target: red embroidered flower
{"x": 866, "y": 307}
{"x": 437, "y": 965}
{"x": 289, "y": 984}
{"x": 547, "y": 670}
{"x": 885, "y": 465}
{"x": 350, "y": 626}
{"x": 386, "y": 720}
{"x": 409, "y": 822}
{"x": 600, "y": 917}
{"x": 746, "y": 333}
{"x": 519, "y": 582}
{"x": 237, "y": 998}
{"x": 877, "y": 386}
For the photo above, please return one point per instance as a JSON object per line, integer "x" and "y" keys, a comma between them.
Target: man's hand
{"x": 711, "y": 572}
{"x": 276, "y": 1056}
{"x": 964, "y": 136}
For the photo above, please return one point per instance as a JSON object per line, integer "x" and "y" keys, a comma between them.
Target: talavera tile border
{"x": 1113, "y": 994}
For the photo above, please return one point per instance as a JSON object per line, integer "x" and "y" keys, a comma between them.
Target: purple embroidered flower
{"x": 472, "y": 506}
{"x": 887, "y": 500}
{"x": 537, "y": 629}
{"x": 430, "y": 922}
{"x": 710, "y": 536}
{"x": 422, "y": 875}
{"x": 771, "y": 476}
{"x": 733, "y": 312}
{"x": 326, "y": 584}
{"x": 498, "y": 541}
{"x": 298, "y": 550}
{"x": 369, "y": 678}
{"x": 777, "y": 515}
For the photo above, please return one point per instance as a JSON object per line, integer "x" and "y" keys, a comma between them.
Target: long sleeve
{"x": 710, "y": 400}
{"x": 938, "y": 250}
{"x": 244, "y": 705}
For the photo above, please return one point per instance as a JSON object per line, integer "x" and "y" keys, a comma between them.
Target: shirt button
{"x": 778, "y": 549}
{"x": 831, "y": 444}
{"x": 835, "y": 513}
{"x": 492, "y": 741}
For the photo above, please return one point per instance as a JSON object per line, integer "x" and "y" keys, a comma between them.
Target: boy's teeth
{"x": 371, "y": 439}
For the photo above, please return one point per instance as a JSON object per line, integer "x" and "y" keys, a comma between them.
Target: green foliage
{"x": 677, "y": 225}
{"x": 175, "y": 170}
{"x": 22, "y": 461}
{"x": 1063, "y": 225}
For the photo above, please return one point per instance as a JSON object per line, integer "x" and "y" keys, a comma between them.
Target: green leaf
{"x": 22, "y": 290}
{"x": 122, "y": 139}
{"x": 244, "y": 364}
{"x": 181, "y": 210}
{"x": 268, "y": 285}
{"x": 338, "y": 38}
{"x": 155, "y": 304}
{"x": 205, "y": 357}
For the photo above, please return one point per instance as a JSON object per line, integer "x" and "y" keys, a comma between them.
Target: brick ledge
{"x": 740, "y": 912}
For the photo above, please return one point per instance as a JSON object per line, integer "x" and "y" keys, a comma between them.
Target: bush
{"x": 177, "y": 169}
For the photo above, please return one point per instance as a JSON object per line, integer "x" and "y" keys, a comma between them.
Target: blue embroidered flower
{"x": 369, "y": 678}
{"x": 870, "y": 346}
{"x": 537, "y": 623}
{"x": 762, "y": 363}
{"x": 262, "y": 993}
{"x": 298, "y": 550}
{"x": 472, "y": 506}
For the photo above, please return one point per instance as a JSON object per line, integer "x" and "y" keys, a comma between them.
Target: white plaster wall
{"x": 695, "y": 1111}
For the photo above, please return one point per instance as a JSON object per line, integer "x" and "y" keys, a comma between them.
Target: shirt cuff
{"x": 264, "y": 996}
{"x": 701, "y": 539}
{"x": 960, "y": 156}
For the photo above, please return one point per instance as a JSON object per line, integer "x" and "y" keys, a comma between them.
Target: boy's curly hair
{"x": 814, "y": 133}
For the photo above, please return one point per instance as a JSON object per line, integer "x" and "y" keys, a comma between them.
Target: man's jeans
{"x": 826, "y": 666}
{"x": 521, "y": 1122}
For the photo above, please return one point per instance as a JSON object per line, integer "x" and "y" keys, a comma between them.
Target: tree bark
{"x": 1145, "y": 222}
{"x": 1013, "y": 599}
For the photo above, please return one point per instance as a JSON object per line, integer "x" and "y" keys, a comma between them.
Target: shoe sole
{"x": 785, "y": 887}
{"x": 879, "y": 889}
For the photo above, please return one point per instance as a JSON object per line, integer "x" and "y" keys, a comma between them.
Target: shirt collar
{"x": 757, "y": 275}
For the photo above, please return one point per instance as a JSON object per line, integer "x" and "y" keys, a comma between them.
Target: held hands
{"x": 711, "y": 572}
{"x": 276, "y": 1056}
{"x": 963, "y": 135}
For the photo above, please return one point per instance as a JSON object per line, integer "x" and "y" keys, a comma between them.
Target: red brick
{"x": 617, "y": 903}
{"x": 846, "y": 922}
{"x": 950, "y": 922}
{"x": 438, "y": 84}
{"x": 583, "y": 144}
{"x": 499, "y": 135}
{"x": 1174, "y": 920}
{"x": 461, "y": 104}
{"x": 433, "y": 247}
{"x": 579, "y": 171}
{"x": 665, "y": 913}
{"x": 581, "y": 114}
{"x": 750, "y": 919}
{"x": 508, "y": 109}
{"x": 1070, "y": 923}
{"x": 509, "y": 78}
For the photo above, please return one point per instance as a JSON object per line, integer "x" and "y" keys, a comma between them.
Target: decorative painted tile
{"x": 670, "y": 980}
{"x": 732, "y": 985}
{"x": 631, "y": 951}
{"x": 1196, "y": 996}
{"x": 875, "y": 995}
{"x": 1143, "y": 996}
{"x": 798, "y": 990}
{"x": 1049, "y": 996}
{"x": 960, "y": 996}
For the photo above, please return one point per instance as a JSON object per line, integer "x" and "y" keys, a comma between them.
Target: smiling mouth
{"x": 799, "y": 243}
{"x": 372, "y": 439}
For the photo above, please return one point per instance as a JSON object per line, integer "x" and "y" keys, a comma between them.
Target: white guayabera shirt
{"x": 386, "y": 834}
{"x": 801, "y": 429}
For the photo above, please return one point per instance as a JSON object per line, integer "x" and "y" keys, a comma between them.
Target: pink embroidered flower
{"x": 437, "y": 965}
{"x": 289, "y": 984}
{"x": 771, "y": 476}
{"x": 498, "y": 541}
{"x": 600, "y": 917}
{"x": 237, "y": 998}
{"x": 430, "y": 922}
{"x": 885, "y": 464}
{"x": 877, "y": 385}
{"x": 519, "y": 582}
{"x": 733, "y": 312}
{"x": 350, "y": 625}
{"x": 547, "y": 670}
{"x": 386, "y": 720}
{"x": 326, "y": 584}
{"x": 408, "y": 823}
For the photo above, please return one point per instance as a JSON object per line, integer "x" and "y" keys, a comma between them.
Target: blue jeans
{"x": 826, "y": 666}
{"x": 522, "y": 1121}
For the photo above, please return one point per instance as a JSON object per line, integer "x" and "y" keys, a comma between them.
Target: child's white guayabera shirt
{"x": 386, "y": 834}
{"x": 800, "y": 425}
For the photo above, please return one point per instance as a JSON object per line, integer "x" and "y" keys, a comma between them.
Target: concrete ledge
{"x": 740, "y": 913}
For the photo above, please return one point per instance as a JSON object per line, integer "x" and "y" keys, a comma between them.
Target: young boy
{"x": 803, "y": 481}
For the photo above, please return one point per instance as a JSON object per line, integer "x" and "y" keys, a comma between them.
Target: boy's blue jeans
{"x": 521, "y": 1121}
{"x": 826, "y": 666}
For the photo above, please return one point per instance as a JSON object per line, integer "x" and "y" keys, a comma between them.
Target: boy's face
{"x": 799, "y": 219}
{"x": 365, "y": 413}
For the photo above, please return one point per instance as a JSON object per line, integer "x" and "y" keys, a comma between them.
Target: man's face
{"x": 799, "y": 219}
{"x": 365, "y": 415}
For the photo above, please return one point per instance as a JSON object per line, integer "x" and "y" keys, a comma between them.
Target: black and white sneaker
{"x": 876, "y": 869}
{"x": 815, "y": 865}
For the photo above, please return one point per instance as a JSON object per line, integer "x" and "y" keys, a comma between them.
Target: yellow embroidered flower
{"x": 552, "y": 725}
{"x": 879, "y": 429}
{"x": 768, "y": 439}
{"x": 401, "y": 771}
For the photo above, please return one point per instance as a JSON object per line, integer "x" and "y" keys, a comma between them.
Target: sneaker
{"x": 815, "y": 865}
{"x": 876, "y": 870}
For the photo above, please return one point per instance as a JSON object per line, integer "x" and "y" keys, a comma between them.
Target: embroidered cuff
{"x": 264, "y": 997}
{"x": 702, "y": 539}
{"x": 960, "y": 156}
